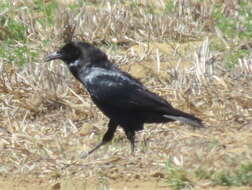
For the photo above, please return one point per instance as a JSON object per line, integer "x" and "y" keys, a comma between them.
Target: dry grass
{"x": 47, "y": 118}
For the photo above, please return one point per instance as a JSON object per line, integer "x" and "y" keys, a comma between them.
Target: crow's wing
{"x": 113, "y": 90}
{"x": 122, "y": 92}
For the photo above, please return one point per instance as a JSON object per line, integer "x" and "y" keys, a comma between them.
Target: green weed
{"x": 47, "y": 11}
{"x": 17, "y": 54}
{"x": 242, "y": 176}
{"x": 233, "y": 26}
{"x": 177, "y": 177}
{"x": 231, "y": 57}
{"x": 11, "y": 28}
{"x": 203, "y": 174}
{"x": 169, "y": 7}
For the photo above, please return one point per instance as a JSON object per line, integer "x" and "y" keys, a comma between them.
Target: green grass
{"x": 231, "y": 57}
{"x": 169, "y": 7}
{"x": 14, "y": 47}
{"x": 11, "y": 28}
{"x": 203, "y": 174}
{"x": 177, "y": 177}
{"x": 17, "y": 54}
{"x": 235, "y": 26}
{"x": 47, "y": 11}
{"x": 241, "y": 176}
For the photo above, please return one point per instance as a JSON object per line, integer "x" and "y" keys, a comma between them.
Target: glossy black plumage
{"x": 122, "y": 98}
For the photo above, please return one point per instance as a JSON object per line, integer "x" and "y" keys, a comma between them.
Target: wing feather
{"x": 123, "y": 92}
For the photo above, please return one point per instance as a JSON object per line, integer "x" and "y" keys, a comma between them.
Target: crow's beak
{"x": 52, "y": 56}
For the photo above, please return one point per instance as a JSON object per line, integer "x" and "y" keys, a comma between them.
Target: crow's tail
{"x": 185, "y": 118}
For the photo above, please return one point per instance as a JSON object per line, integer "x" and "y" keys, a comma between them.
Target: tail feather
{"x": 188, "y": 119}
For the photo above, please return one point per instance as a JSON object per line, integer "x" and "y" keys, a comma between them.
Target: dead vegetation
{"x": 47, "y": 118}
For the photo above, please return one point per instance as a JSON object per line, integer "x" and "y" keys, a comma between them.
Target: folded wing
{"x": 118, "y": 92}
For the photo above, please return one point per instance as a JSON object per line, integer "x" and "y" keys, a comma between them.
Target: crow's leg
{"x": 108, "y": 136}
{"x": 131, "y": 136}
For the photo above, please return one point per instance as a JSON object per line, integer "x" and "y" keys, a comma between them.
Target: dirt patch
{"x": 34, "y": 183}
{"x": 22, "y": 183}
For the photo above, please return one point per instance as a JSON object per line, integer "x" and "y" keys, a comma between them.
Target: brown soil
{"x": 34, "y": 183}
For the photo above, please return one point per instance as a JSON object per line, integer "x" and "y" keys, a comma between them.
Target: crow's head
{"x": 68, "y": 53}
{"x": 81, "y": 51}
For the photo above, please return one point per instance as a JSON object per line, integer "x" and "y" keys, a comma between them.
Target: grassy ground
{"x": 196, "y": 54}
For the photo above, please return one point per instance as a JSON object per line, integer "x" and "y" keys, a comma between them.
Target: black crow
{"x": 121, "y": 97}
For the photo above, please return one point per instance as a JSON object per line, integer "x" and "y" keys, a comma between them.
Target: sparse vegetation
{"x": 241, "y": 176}
{"x": 235, "y": 22}
{"x": 177, "y": 177}
{"x": 197, "y": 54}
